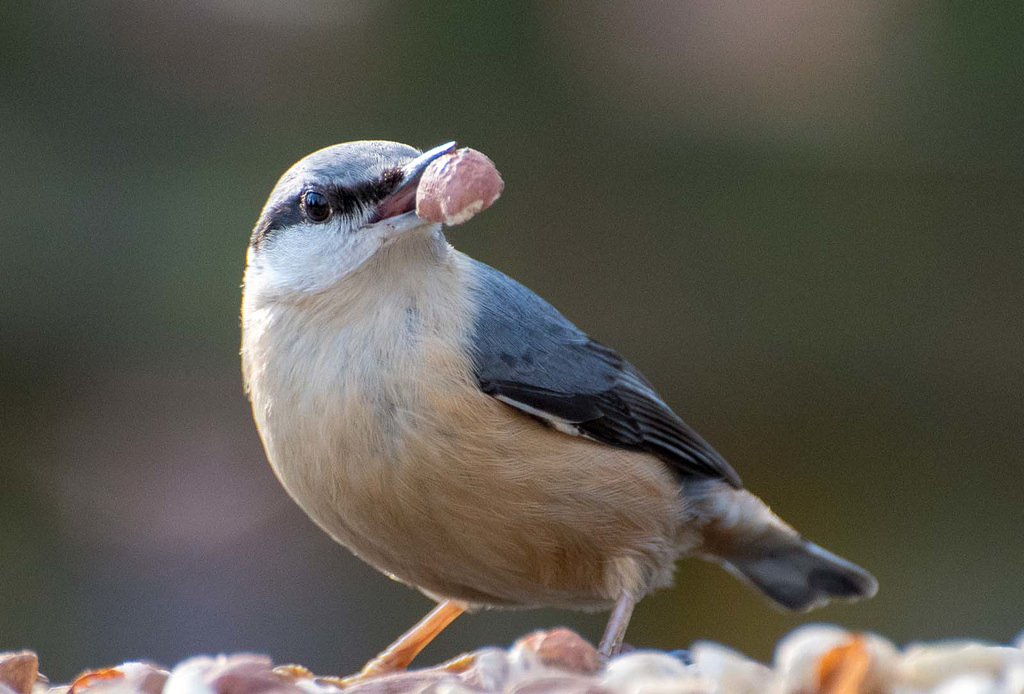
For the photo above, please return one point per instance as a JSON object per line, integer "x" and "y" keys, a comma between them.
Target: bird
{"x": 454, "y": 430}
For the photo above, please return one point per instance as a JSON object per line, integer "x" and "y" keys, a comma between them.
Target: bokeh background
{"x": 802, "y": 220}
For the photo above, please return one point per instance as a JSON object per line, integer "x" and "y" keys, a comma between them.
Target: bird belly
{"x": 451, "y": 491}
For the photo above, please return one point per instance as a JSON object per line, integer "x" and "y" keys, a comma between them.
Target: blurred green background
{"x": 802, "y": 221}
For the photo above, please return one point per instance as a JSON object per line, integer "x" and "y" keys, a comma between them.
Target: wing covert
{"x": 529, "y": 356}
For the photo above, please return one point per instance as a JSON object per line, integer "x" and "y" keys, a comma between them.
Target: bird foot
{"x": 380, "y": 666}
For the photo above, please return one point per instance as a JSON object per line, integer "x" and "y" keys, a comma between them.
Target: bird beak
{"x": 402, "y": 199}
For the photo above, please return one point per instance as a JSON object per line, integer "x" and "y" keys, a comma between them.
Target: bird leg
{"x": 611, "y": 642}
{"x": 399, "y": 654}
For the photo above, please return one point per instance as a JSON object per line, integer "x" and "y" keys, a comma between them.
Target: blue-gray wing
{"x": 529, "y": 356}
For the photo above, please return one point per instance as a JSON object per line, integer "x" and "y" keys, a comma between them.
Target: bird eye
{"x": 316, "y": 206}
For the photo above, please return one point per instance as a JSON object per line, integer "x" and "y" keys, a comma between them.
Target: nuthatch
{"x": 454, "y": 430}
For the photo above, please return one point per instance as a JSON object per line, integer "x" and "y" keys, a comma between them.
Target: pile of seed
{"x": 811, "y": 660}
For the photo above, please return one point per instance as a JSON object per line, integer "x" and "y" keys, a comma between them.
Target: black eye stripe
{"x": 281, "y": 214}
{"x": 366, "y": 195}
{"x": 284, "y": 212}
{"x": 344, "y": 201}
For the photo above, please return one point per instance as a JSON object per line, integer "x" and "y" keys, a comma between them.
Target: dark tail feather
{"x": 741, "y": 533}
{"x": 803, "y": 576}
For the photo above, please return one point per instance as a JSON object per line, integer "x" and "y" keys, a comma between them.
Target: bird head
{"x": 332, "y": 211}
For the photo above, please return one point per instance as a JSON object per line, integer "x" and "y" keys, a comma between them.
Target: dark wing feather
{"x": 529, "y": 356}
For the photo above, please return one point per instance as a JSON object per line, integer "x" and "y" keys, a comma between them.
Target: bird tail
{"x": 742, "y": 534}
